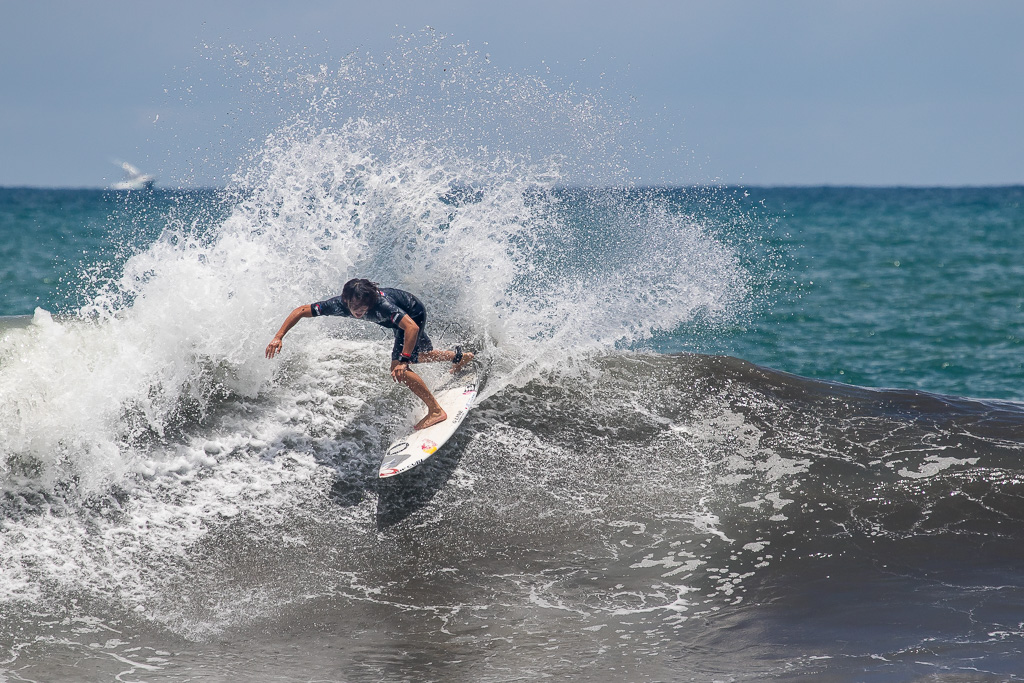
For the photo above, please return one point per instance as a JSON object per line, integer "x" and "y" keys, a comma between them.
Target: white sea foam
{"x": 187, "y": 318}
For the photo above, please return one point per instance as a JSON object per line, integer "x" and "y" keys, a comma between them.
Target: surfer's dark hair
{"x": 360, "y": 291}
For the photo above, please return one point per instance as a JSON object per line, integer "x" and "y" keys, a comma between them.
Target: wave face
{"x": 170, "y": 496}
{"x": 669, "y": 515}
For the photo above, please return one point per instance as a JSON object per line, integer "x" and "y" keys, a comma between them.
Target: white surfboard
{"x": 456, "y": 396}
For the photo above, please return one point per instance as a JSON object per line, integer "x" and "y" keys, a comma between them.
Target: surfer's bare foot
{"x": 466, "y": 358}
{"x": 431, "y": 419}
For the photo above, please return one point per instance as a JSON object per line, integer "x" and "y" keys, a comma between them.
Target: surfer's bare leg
{"x": 435, "y": 413}
{"x": 449, "y": 356}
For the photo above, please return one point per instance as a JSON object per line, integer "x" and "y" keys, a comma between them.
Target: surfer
{"x": 395, "y": 309}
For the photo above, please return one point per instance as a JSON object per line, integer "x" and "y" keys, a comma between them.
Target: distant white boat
{"x": 136, "y": 180}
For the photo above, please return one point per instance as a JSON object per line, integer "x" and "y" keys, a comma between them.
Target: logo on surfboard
{"x": 397, "y": 448}
{"x": 428, "y": 446}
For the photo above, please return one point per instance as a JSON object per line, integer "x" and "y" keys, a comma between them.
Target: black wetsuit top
{"x": 391, "y": 307}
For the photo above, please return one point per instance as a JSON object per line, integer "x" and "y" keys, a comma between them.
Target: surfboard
{"x": 457, "y": 395}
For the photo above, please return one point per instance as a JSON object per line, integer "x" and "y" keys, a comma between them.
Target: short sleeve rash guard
{"x": 391, "y": 307}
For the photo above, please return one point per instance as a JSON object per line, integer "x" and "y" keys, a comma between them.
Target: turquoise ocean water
{"x": 896, "y": 287}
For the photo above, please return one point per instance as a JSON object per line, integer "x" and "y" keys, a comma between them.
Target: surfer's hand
{"x": 274, "y": 347}
{"x": 398, "y": 372}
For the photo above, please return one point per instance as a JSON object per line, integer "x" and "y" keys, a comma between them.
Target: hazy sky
{"x": 753, "y": 92}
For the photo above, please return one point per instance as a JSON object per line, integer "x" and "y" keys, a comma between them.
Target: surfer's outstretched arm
{"x": 274, "y": 347}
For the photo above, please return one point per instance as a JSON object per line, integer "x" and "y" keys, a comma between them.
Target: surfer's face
{"x": 358, "y": 310}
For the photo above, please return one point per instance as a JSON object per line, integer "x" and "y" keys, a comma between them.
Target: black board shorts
{"x": 423, "y": 344}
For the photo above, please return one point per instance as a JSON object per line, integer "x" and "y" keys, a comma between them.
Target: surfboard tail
{"x": 412, "y": 448}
